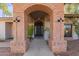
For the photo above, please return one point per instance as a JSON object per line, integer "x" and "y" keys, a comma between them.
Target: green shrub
{"x": 30, "y": 31}
{"x": 76, "y": 24}
{"x": 77, "y": 29}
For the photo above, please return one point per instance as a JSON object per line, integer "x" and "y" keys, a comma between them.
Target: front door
{"x": 39, "y": 29}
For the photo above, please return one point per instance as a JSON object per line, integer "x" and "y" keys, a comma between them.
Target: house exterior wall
{"x": 2, "y": 31}
{"x": 8, "y": 30}
{"x": 3, "y": 27}
{"x": 56, "y": 42}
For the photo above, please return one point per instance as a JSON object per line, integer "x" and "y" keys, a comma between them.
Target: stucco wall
{"x": 8, "y": 30}
{"x": 2, "y": 31}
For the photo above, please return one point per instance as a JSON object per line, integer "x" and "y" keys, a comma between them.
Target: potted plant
{"x": 46, "y": 34}
{"x": 30, "y": 31}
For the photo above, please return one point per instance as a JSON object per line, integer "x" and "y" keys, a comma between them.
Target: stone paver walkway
{"x": 38, "y": 47}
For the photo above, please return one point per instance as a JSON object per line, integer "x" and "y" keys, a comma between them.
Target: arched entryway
{"x": 52, "y": 12}
{"x": 37, "y": 17}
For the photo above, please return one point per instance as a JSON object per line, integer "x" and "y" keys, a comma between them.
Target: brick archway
{"x": 43, "y": 8}
{"x": 56, "y": 42}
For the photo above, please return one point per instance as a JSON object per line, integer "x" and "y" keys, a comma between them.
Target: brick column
{"x": 18, "y": 44}
{"x": 58, "y": 43}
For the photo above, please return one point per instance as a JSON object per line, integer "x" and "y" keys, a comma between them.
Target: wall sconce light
{"x": 60, "y": 20}
{"x": 18, "y": 18}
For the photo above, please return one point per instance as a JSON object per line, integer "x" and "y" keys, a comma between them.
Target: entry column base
{"x": 59, "y": 46}
{"x": 18, "y": 47}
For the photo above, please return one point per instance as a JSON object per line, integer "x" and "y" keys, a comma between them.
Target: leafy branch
{"x": 76, "y": 24}
{"x": 4, "y": 7}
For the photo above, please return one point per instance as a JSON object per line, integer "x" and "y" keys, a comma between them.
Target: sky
{"x": 10, "y": 8}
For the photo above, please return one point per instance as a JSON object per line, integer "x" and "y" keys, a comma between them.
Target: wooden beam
{"x": 7, "y": 19}
{"x": 71, "y": 15}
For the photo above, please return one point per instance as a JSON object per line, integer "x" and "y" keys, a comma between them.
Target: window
{"x": 67, "y": 30}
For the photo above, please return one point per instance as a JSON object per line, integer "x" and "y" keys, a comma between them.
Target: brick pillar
{"x": 58, "y": 43}
{"x": 18, "y": 45}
